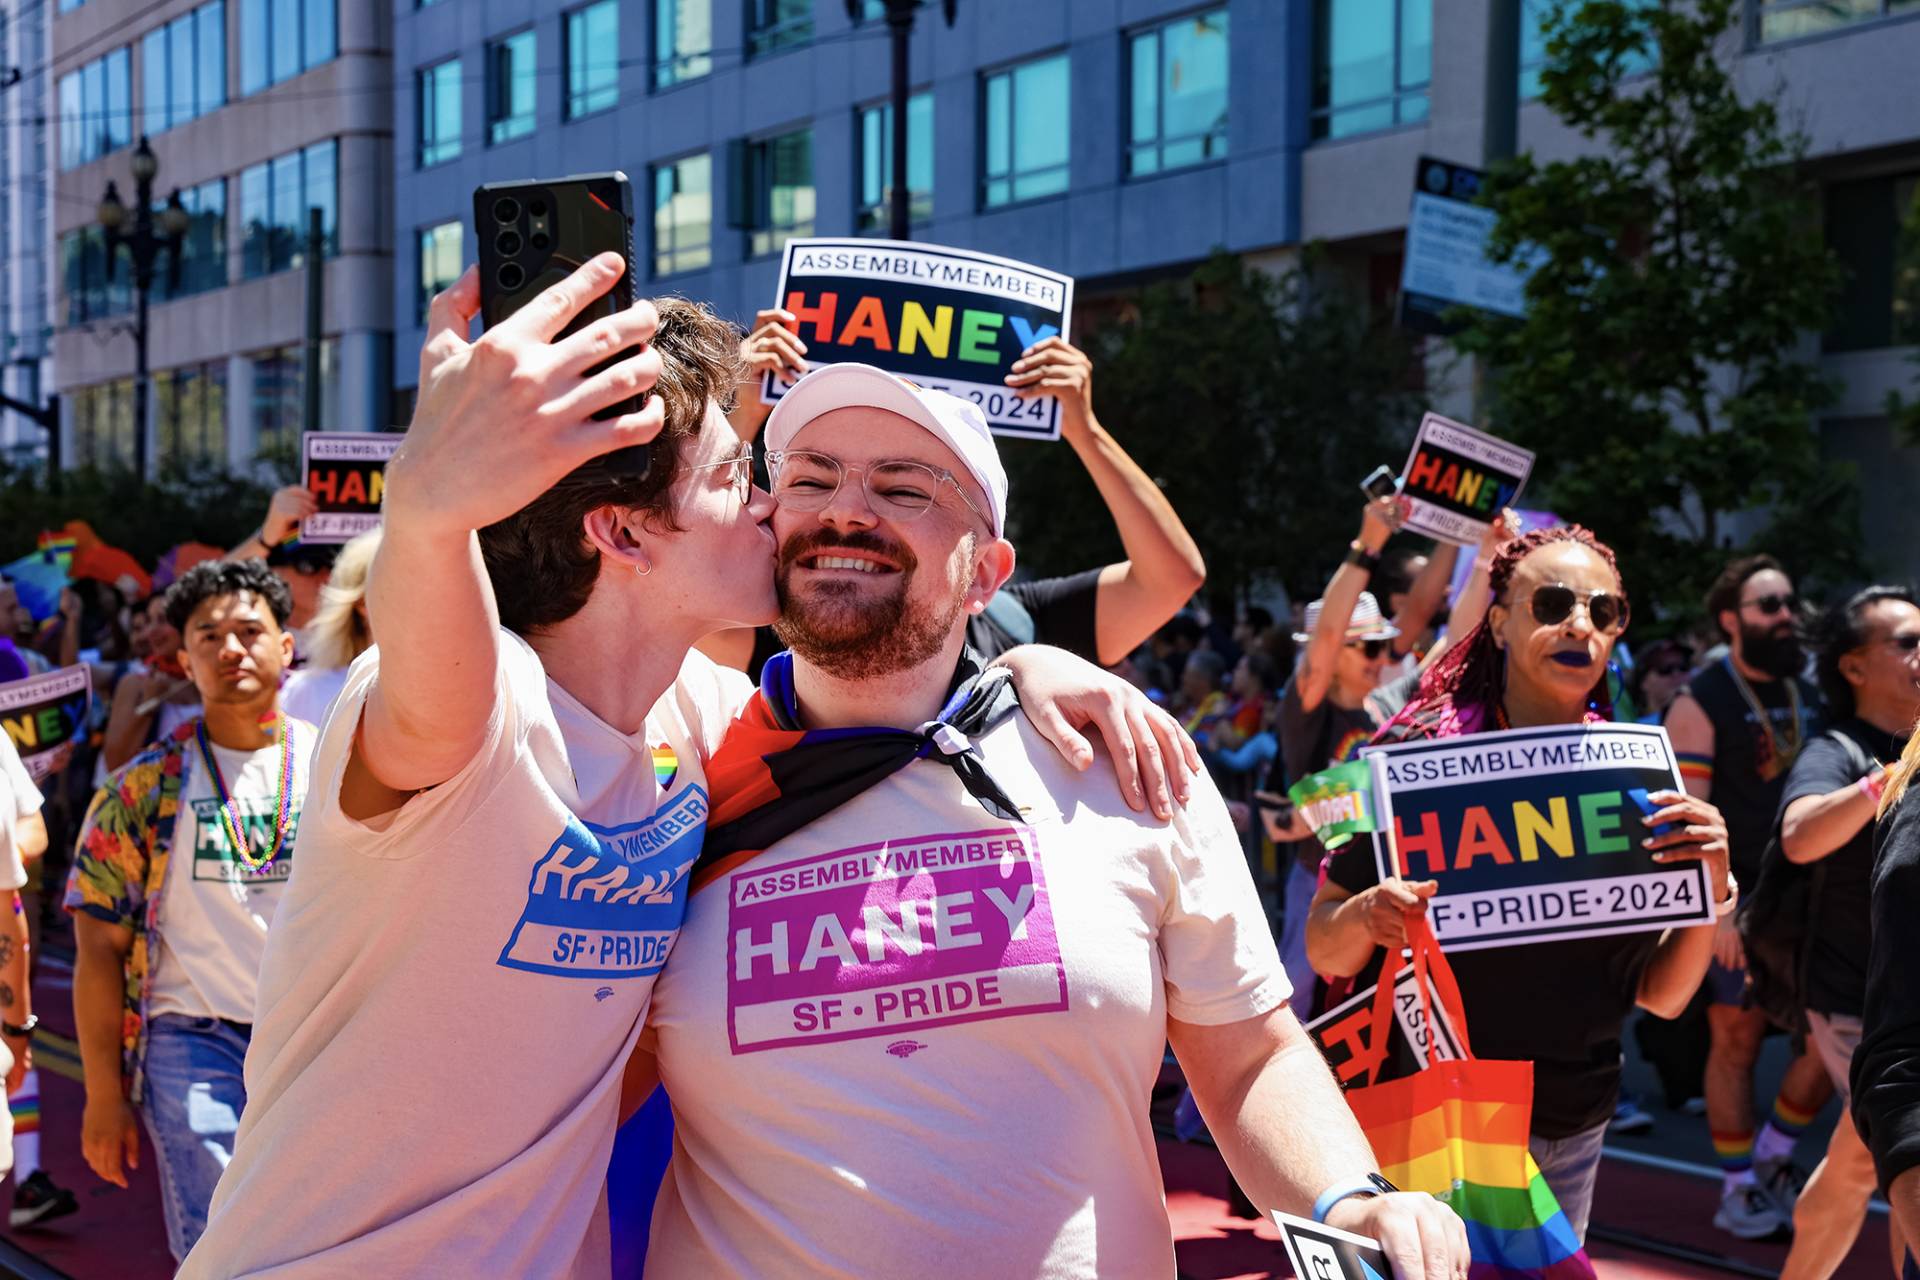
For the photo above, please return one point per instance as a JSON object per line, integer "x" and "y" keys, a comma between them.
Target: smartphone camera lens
{"x": 538, "y": 208}
{"x": 539, "y": 240}
{"x": 508, "y": 243}
{"x": 511, "y": 276}
{"x": 506, "y": 211}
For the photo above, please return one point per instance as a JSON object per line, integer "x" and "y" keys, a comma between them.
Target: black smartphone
{"x": 535, "y": 234}
{"x": 1380, "y": 483}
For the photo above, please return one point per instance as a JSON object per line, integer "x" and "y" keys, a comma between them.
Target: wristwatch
{"x": 1371, "y": 1185}
{"x": 1357, "y": 554}
{"x": 22, "y": 1032}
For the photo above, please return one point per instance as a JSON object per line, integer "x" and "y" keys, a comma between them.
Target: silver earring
{"x": 648, "y": 564}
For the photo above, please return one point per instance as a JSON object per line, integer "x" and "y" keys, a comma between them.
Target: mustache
{"x": 822, "y": 540}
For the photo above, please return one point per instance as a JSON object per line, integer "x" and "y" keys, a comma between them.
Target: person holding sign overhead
{"x": 1538, "y": 658}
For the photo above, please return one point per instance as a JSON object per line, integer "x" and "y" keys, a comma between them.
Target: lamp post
{"x": 144, "y": 241}
{"x": 899, "y": 14}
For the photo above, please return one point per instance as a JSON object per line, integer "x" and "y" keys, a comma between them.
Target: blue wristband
{"x": 1370, "y": 1185}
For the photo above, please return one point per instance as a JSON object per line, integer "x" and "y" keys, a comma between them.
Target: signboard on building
{"x": 1446, "y": 262}
{"x": 950, "y": 319}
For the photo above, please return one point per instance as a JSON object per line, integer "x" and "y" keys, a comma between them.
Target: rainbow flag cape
{"x": 1458, "y": 1131}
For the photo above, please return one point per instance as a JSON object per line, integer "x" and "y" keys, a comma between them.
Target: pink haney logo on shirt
{"x": 891, "y": 937}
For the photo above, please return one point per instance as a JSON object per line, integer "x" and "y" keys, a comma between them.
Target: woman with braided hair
{"x": 1539, "y": 657}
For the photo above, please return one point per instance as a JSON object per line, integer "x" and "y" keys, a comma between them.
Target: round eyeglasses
{"x": 897, "y": 489}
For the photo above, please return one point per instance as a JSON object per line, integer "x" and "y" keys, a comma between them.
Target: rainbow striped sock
{"x": 25, "y": 1106}
{"x": 1782, "y": 1131}
{"x": 1734, "y": 1151}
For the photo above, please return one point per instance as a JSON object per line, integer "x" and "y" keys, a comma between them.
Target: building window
{"x": 683, "y": 215}
{"x": 1179, "y": 107}
{"x": 510, "y": 88}
{"x": 103, "y": 424}
{"x": 773, "y": 25}
{"x": 1863, "y": 222}
{"x": 1790, "y": 19}
{"x": 203, "y": 258}
{"x": 875, "y": 135}
{"x": 96, "y": 109}
{"x": 682, "y": 41}
{"x": 190, "y": 411}
{"x": 1533, "y": 45}
{"x": 1372, "y": 64}
{"x": 439, "y": 113}
{"x": 274, "y": 199}
{"x": 870, "y": 11}
{"x": 774, "y": 199}
{"x": 1025, "y": 123}
{"x": 278, "y": 400}
{"x": 279, "y": 39}
{"x": 94, "y": 284}
{"x": 593, "y": 58}
{"x": 427, "y": 4}
{"x": 183, "y": 68}
{"x": 440, "y": 265}
{"x": 68, "y": 6}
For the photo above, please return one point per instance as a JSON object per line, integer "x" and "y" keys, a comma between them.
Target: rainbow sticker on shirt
{"x": 665, "y": 765}
{"x": 1347, "y": 746}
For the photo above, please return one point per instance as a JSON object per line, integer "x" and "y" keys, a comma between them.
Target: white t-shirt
{"x": 912, "y": 1039}
{"x": 451, "y": 993}
{"x": 19, "y": 800}
{"x": 215, "y": 914}
{"x": 310, "y": 693}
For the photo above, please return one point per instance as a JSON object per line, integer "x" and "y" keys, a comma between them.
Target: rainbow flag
{"x": 665, "y": 765}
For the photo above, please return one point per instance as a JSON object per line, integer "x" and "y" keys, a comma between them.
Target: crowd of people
{"x": 956, "y": 854}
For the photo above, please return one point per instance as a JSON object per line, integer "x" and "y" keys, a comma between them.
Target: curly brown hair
{"x": 539, "y": 560}
{"x": 1461, "y": 691}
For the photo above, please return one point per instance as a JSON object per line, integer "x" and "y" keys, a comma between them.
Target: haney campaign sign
{"x": 1458, "y": 479}
{"x": 346, "y": 472}
{"x": 1414, "y": 1043}
{"x": 41, "y": 714}
{"x": 949, "y": 319}
{"x": 1324, "y": 1253}
{"x": 1534, "y": 835}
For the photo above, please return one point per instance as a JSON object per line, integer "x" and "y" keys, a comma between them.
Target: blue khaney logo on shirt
{"x": 607, "y": 902}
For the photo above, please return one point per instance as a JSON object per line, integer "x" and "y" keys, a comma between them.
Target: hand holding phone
{"x": 500, "y": 420}
{"x": 1380, "y": 483}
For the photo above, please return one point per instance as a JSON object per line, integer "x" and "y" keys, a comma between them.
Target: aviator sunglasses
{"x": 1553, "y": 604}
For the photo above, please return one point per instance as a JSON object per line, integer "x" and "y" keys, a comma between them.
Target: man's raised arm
{"x": 500, "y": 420}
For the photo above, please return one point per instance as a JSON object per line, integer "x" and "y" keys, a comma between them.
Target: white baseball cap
{"x": 954, "y": 422}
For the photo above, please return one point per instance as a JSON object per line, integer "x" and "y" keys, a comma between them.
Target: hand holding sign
{"x": 290, "y": 505}
{"x": 1694, "y": 829}
{"x": 1405, "y": 1235}
{"x": 774, "y": 346}
{"x": 1053, "y": 366}
{"x": 1386, "y": 908}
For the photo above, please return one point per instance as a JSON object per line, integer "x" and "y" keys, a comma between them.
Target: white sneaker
{"x": 1783, "y": 1180}
{"x": 1748, "y": 1212}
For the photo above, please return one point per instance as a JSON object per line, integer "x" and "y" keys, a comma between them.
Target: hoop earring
{"x": 643, "y": 572}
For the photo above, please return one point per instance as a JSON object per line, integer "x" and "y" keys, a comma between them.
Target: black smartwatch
{"x": 1357, "y": 554}
{"x": 22, "y": 1032}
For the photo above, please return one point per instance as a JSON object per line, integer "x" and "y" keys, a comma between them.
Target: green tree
{"x": 146, "y": 520}
{"x": 1257, "y": 402}
{"x": 1680, "y": 266}
{"x": 1905, "y": 410}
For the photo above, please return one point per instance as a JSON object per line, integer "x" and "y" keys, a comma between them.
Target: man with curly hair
{"x": 205, "y": 820}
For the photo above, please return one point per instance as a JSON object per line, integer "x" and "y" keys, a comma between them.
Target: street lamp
{"x": 899, "y": 15}
{"x": 144, "y": 242}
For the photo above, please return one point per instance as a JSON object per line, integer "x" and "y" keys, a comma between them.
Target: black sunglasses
{"x": 1553, "y": 604}
{"x": 1775, "y": 603}
{"x": 1906, "y": 641}
{"x": 1668, "y": 669}
{"x": 1371, "y": 648}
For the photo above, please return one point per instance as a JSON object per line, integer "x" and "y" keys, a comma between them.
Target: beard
{"x": 1773, "y": 649}
{"x": 839, "y": 628}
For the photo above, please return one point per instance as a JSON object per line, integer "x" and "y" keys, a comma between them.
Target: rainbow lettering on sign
{"x": 914, "y": 329}
{"x": 1435, "y": 476}
{"x": 348, "y": 486}
{"x": 1479, "y": 836}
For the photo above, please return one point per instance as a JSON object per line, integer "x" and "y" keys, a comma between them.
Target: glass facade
{"x": 275, "y": 409}
{"x": 1790, "y": 19}
{"x": 1025, "y": 124}
{"x": 682, "y": 41}
{"x": 773, "y": 25}
{"x": 190, "y": 413}
{"x": 96, "y": 109}
{"x": 593, "y": 58}
{"x": 438, "y": 113}
{"x": 103, "y": 424}
{"x": 440, "y": 265}
{"x": 1372, "y": 64}
{"x": 683, "y": 215}
{"x": 875, "y": 159}
{"x": 279, "y": 39}
{"x": 183, "y": 68}
{"x": 781, "y": 174}
{"x": 511, "y": 86}
{"x": 95, "y": 285}
{"x": 203, "y": 258}
{"x": 274, "y": 199}
{"x": 1178, "y": 108}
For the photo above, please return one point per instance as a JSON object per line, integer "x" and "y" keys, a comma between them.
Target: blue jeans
{"x": 1570, "y": 1165}
{"x": 194, "y": 1096}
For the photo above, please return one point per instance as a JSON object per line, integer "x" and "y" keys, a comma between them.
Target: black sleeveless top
{"x": 1749, "y": 768}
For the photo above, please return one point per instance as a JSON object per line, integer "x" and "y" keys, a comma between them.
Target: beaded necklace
{"x": 230, "y": 811}
{"x": 1777, "y": 754}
